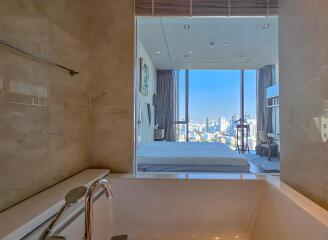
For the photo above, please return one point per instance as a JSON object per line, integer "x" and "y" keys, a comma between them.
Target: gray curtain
{"x": 165, "y": 102}
{"x": 266, "y": 78}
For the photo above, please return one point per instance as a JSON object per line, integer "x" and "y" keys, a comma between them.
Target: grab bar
{"x": 42, "y": 59}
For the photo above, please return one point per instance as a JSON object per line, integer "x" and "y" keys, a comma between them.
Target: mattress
{"x": 189, "y": 157}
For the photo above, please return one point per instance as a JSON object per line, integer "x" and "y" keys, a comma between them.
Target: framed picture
{"x": 144, "y": 77}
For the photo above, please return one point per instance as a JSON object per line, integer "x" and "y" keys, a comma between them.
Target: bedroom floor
{"x": 260, "y": 164}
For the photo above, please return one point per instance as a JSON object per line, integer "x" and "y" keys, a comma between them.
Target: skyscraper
{"x": 223, "y": 124}
{"x": 207, "y": 124}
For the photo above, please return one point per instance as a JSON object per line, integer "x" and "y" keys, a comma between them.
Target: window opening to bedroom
{"x": 207, "y": 95}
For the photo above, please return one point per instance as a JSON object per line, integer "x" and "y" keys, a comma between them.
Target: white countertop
{"x": 24, "y": 217}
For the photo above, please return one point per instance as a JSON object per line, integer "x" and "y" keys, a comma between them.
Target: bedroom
{"x": 207, "y": 97}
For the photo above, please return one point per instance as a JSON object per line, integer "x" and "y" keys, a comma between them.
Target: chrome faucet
{"x": 104, "y": 184}
{"x": 73, "y": 196}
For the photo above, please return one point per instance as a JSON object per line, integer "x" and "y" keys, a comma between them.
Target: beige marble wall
{"x": 44, "y": 112}
{"x": 303, "y": 50}
{"x": 284, "y": 214}
{"x": 112, "y": 85}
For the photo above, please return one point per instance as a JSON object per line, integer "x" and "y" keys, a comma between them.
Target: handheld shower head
{"x": 76, "y": 195}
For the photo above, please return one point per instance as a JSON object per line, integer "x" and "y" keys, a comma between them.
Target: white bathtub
{"x": 178, "y": 207}
{"x": 186, "y": 209}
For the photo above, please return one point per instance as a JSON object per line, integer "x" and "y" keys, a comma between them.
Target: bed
{"x": 189, "y": 157}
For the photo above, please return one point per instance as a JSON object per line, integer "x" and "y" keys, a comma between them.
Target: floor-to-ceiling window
{"x": 182, "y": 107}
{"x": 209, "y": 106}
{"x": 214, "y": 98}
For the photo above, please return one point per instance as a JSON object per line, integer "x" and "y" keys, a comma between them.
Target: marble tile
{"x": 112, "y": 85}
{"x": 303, "y": 54}
{"x": 44, "y": 112}
{"x": 47, "y": 131}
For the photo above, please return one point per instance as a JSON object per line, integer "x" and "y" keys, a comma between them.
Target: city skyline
{"x": 221, "y": 129}
{"x": 247, "y": 117}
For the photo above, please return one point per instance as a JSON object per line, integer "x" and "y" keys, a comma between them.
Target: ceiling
{"x": 237, "y": 42}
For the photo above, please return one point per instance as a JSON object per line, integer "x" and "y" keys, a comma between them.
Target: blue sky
{"x": 216, "y": 93}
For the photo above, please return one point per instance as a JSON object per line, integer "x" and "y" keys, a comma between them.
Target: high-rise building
{"x": 223, "y": 124}
{"x": 252, "y": 134}
{"x": 252, "y": 128}
{"x": 207, "y": 124}
{"x": 213, "y": 123}
{"x": 233, "y": 125}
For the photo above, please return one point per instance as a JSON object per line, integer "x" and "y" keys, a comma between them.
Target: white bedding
{"x": 190, "y": 156}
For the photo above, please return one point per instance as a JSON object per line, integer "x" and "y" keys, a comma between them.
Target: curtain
{"x": 165, "y": 112}
{"x": 266, "y": 78}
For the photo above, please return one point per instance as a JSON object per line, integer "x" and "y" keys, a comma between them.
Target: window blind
{"x": 210, "y": 7}
{"x": 173, "y": 8}
{"x": 144, "y": 7}
{"x": 253, "y": 7}
{"x": 206, "y": 7}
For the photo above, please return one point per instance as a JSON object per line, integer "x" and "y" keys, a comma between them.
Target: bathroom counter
{"x": 19, "y": 220}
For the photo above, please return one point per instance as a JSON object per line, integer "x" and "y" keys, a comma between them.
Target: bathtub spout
{"x": 104, "y": 184}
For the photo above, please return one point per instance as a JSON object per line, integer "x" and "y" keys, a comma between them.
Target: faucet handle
{"x": 56, "y": 238}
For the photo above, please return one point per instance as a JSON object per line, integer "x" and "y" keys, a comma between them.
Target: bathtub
{"x": 184, "y": 207}
{"x": 231, "y": 207}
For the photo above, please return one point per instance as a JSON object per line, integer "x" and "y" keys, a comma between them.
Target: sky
{"x": 216, "y": 93}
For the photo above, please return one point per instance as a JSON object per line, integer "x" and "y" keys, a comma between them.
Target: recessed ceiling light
{"x": 212, "y": 44}
{"x": 158, "y": 52}
{"x": 186, "y": 26}
{"x": 266, "y": 26}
